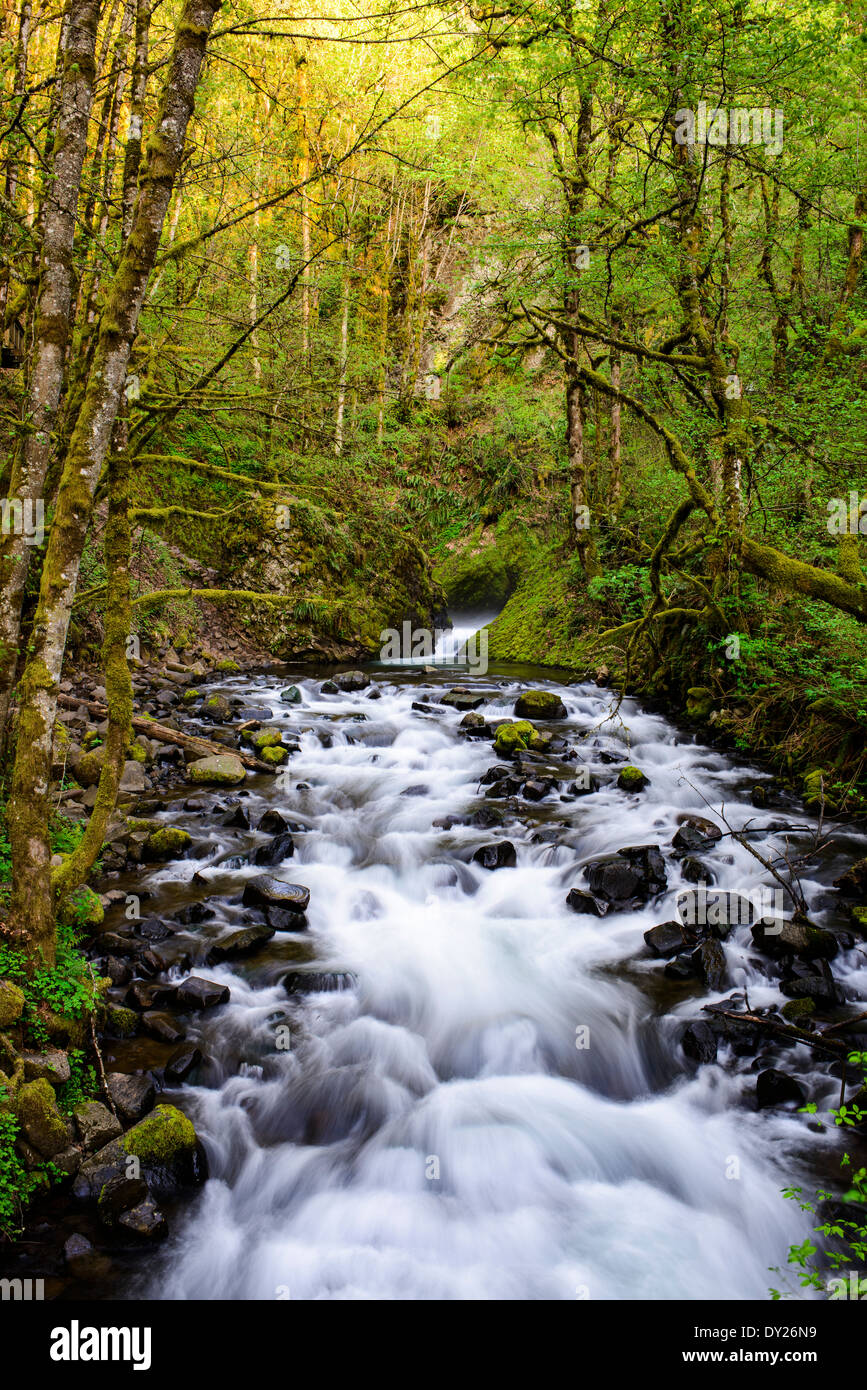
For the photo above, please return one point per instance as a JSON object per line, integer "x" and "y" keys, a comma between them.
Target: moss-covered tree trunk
{"x": 32, "y": 905}
{"x": 52, "y": 326}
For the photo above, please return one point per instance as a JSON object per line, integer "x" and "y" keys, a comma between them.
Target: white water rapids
{"x": 434, "y": 1132}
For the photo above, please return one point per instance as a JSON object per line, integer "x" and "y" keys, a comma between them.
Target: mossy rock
{"x": 632, "y": 779}
{"x": 227, "y": 667}
{"x": 513, "y": 738}
{"x": 190, "y": 697}
{"x": 137, "y": 753}
{"x": 12, "y": 1003}
{"x": 815, "y": 790}
{"x": 225, "y": 769}
{"x": 859, "y": 916}
{"x": 62, "y": 1029}
{"x": 262, "y": 738}
{"x": 120, "y": 1021}
{"x": 40, "y": 1118}
{"x": 89, "y": 767}
{"x": 169, "y": 842}
{"x": 540, "y": 704}
{"x": 81, "y": 908}
{"x": 274, "y": 756}
{"x": 291, "y": 696}
{"x": 797, "y": 1010}
{"x": 699, "y": 702}
{"x": 162, "y": 1137}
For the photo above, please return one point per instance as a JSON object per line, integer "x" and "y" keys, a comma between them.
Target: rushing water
{"x": 433, "y": 1131}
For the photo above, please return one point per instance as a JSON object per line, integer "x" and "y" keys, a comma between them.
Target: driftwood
{"x": 783, "y": 1030}
{"x": 204, "y": 747}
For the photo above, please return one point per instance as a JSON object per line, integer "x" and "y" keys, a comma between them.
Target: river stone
{"x": 276, "y": 850}
{"x": 217, "y": 708}
{"x": 500, "y": 855}
{"x": 266, "y": 891}
{"x": 328, "y": 688}
{"x": 818, "y": 987}
{"x": 291, "y": 696}
{"x": 133, "y": 1096}
{"x": 632, "y": 779}
{"x": 352, "y": 680}
{"x": 776, "y": 1088}
{"x": 142, "y": 994}
{"x": 162, "y": 1026}
{"x": 169, "y": 1155}
{"x": 539, "y": 704}
{"x": 779, "y": 938}
{"x": 223, "y": 768}
{"x": 281, "y": 919}
{"x": 666, "y": 940}
{"x": 96, "y": 1125}
{"x": 853, "y": 883}
{"x": 273, "y": 823}
{"x": 537, "y": 790}
{"x": 240, "y": 943}
{"x": 132, "y": 778}
{"x": 695, "y": 835}
{"x": 699, "y": 1042}
{"x": 460, "y": 698}
{"x": 629, "y": 878}
{"x": 198, "y": 993}
{"x": 182, "y": 1062}
{"x": 82, "y": 1261}
{"x": 710, "y": 962}
{"x": 237, "y": 819}
{"x": 318, "y": 981}
{"x": 585, "y": 903}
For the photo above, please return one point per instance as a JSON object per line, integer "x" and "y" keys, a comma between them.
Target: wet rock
{"x": 776, "y": 1088}
{"x": 162, "y": 1026}
{"x": 272, "y": 823}
{"x": 472, "y": 720}
{"x": 121, "y": 1022}
{"x": 132, "y": 778}
{"x": 632, "y": 779}
{"x": 318, "y": 981}
{"x": 169, "y": 842}
{"x": 182, "y": 1062}
{"x": 507, "y": 786}
{"x": 537, "y": 790}
{"x": 710, "y": 963}
{"x": 714, "y": 909}
{"x": 799, "y": 1012}
{"x": 249, "y": 713}
{"x": 291, "y": 695}
{"x": 667, "y": 940}
{"x": 266, "y": 891}
{"x": 133, "y": 1096}
{"x": 461, "y": 698}
{"x": 328, "y": 688}
{"x": 152, "y": 929}
{"x": 145, "y": 1221}
{"x": 585, "y": 786}
{"x": 144, "y": 995}
{"x": 237, "y": 819}
{"x": 166, "y": 1146}
{"x": 83, "y": 1261}
{"x": 240, "y": 943}
{"x": 350, "y": 681}
{"x": 280, "y": 848}
{"x": 699, "y": 1042}
{"x": 695, "y": 835}
{"x": 281, "y": 919}
{"x": 694, "y": 871}
{"x": 539, "y": 704}
{"x": 780, "y": 938}
{"x": 217, "y": 709}
{"x": 683, "y": 967}
{"x": 96, "y": 1125}
{"x": 195, "y": 912}
{"x": 585, "y": 903}
{"x": 853, "y": 883}
{"x": 198, "y": 993}
{"x": 629, "y": 878}
{"x": 820, "y": 987}
{"x": 500, "y": 855}
{"x": 224, "y": 769}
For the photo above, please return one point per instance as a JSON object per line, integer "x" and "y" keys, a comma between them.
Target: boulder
{"x": 40, "y": 1118}
{"x": 182, "y": 1062}
{"x": 539, "y": 704}
{"x": 218, "y": 709}
{"x": 695, "y": 834}
{"x": 266, "y": 891}
{"x": 240, "y": 943}
{"x": 280, "y": 848}
{"x": 349, "y": 681}
{"x": 145, "y": 1221}
{"x": 318, "y": 981}
{"x": 710, "y": 963}
{"x": 585, "y": 903}
{"x": 699, "y": 1042}
{"x": 52, "y": 1066}
{"x": 667, "y": 940}
{"x": 777, "y": 1088}
{"x": 291, "y": 696}
{"x": 96, "y": 1125}
{"x": 629, "y": 878}
{"x": 500, "y": 855}
{"x": 166, "y": 1146}
{"x": 162, "y": 1026}
{"x": 225, "y": 769}
{"x": 198, "y": 993}
{"x": 460, "y": 698}
{"x": 512, "y": 738}
{"x": 632, "y": 779}
{"x": 781, "y": 938}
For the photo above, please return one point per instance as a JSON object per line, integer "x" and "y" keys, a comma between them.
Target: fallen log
{"x": 204, "y": 747}
{"x": 783, "y": 1030}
